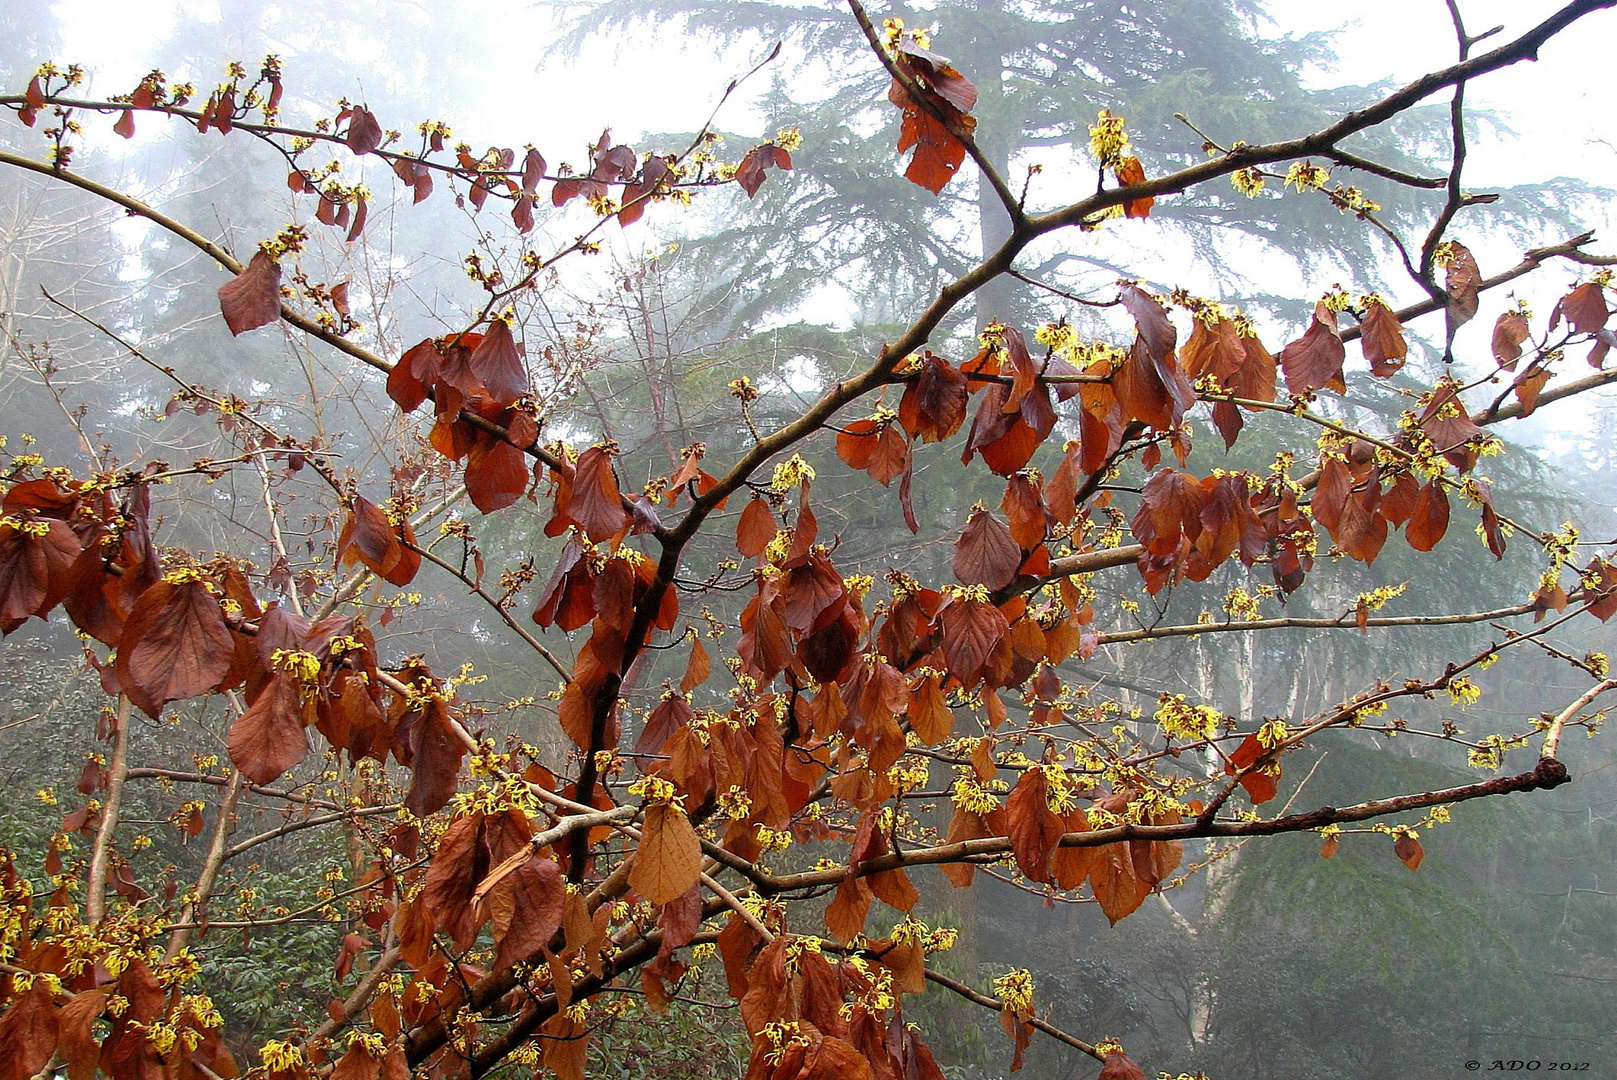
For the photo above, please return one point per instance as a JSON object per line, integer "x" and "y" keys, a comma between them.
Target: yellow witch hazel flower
{"x": 1305, "y": 176}
{"x": 1463, "y": 692}
{"x": 1178, "y": 718}
{"x": 1107, "y": 138}
{"x": 791, "y": 472}
{"x": 1248, "y": 181}
{"x": 1015, "y": 990}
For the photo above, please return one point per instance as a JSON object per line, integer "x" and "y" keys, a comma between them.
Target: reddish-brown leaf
{"x": 756, "y": 528}
{"x": 1024, "y": 510}
{"x": 253, "y": 297}
{"x": 1130, "y": 171}
{"x": 1170, "y": 507}
{"x": 1493, "y": 532}
{"x": 497, "y": 363}
{"x": 1584, "y": 309}
{"x": 845, "y": 914}
{"x": 28, "y": 1033}
{"x": 1112, "y": 877}
{"x": 930, "y": 716}
{"x": 75, "y": 1030}
{"x": 937, "y": 152}
{"x": 986, "y": 554}
{"x": 971, "y": 630}
{"x": 750, "y": 173}
{"x": 1409, "y": 851}
{"x": 596, "y": 503}
{"x": 1430, "y": 518}
{"x": 268, "y": 739}
{"x": 435, "y": 755}
{"x": 564, "y": 1048}
{"x": 1449, "y": 425}
{"x": 1528, "y": 386}
{"x": 1260, "y": 785}
{"x": 358, "y": 1063}
{"x": 1462, "y": 282}
{"x": 1509, "y": 331}
{"x": 416, "y": 370}
{"x": 1033, "y": 830}
{"x": 1382, "y": 339}
{"x": 934, "y": 405}
{"x": 697, "y": 668}
{"x": 175, "y": 645}
{"x": 496, "y": 474}
{"x": 1118, "y": 1066}
{"x": 36, "y": 568}
{"x": 527, "y": 910}
{"x": 668, "y": 860}
{"x": 457, "y": 867}
{"x": 364, "y": 131}
{"x": 1315, "y": 359}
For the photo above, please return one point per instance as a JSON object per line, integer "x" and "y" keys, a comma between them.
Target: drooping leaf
{"x": 1584, "y": 309}
{"x": 28, "y": 1033}
{"x": 846, "y": 913}
{"x": 986, "y": 554}
{"x": 175, "y": 645}
{"x": 1409, "y": 850}
{"x": 1130, "y": 171}
{"x": 435, "y": 753}
{"x": 934, "y": 405}
{"x": 1314, "y": 361}
{"x": 496, "y": 474}
{"x": 938, "y": 153}
{"x": 364, "y": 131}
{"x": 1462, "y": 282}
{"x": 1430, "y": 519}
{"x": 268, "y": 739}
{"x": 755, "y": 528}
{"x": 1382, "y": 340}
{"x": 1033, "y": 829}
{"x": 253, "y": 297}
{"x": 596, "y": 503}
{"x": 1528, "y": 386}
{"x": 526, "y": 909}
{"x": 1118, "y": 1066}
{"x": 1509, "y": 331}
{"x": 37, "y": 562}
{"x": 1260, "y": 784}
{"x": 497, "y": 363}
{"x": 668, "y": 860}
{"x": 971, "y": 630}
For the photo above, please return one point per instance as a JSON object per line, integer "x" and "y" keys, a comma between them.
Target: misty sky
{"x": 1560, "y": 106}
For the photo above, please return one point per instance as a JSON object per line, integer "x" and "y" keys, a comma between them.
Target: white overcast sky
{"x": 1561, "y": 105}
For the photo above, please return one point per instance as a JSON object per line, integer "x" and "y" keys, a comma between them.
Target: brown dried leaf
{"x": 1382, "y": 340}
{"x": 1430, "y": 519}
{"x": 1509, "y": 331}
{"x": 596, "y": 503}
{"x": 1463, "y": 281}
{"x": 986, "y": 554}
{"x": 268, "y": 739}
{"x": 175, "y": 645}
{"x": 253, "y": 297}
{"x": 668, "y": 860}
{"x": 1584, "y": 308}
{"x": 1315, "y": 359}
{"x": 497, "y": 363}
{"x": 934, "y": 405}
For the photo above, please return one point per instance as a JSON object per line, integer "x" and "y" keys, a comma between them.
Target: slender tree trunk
{"x": 995, "y": 299}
